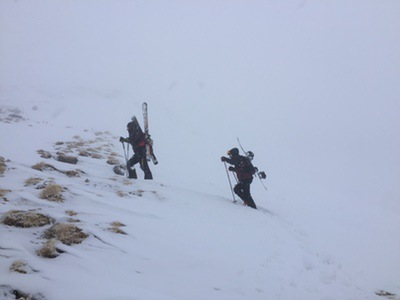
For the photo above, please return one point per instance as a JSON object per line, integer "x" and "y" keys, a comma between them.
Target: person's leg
{"x": 131, "y": 166}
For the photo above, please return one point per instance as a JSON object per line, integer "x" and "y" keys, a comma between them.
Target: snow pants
{"x": 139, "y": 157}
{"x": 242, "y": 189}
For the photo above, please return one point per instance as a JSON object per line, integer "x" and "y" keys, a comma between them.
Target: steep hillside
{"x": 74, "y": 229}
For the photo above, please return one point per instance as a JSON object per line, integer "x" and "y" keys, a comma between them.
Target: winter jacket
{"x": 242, "y": 167}
{"x": 137, "y": 137}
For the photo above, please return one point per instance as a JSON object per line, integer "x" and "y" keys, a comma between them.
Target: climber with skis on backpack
{"x": 138, "y": 140}
{"x": 244, "y": 170}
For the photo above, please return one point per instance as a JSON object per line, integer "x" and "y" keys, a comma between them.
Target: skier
{"x": 244, "y": 171}
{"x": 138, "y": 140}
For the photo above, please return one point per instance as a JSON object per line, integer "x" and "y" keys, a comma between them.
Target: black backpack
{"x": 247, "y": 166}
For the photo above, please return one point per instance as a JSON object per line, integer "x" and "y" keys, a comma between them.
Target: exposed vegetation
{"x": 116, "y": 227}
{"x": 42, "y": 166}
{"x": 19, "y": 266}
{"x": 32, "y": 181}
{"x": 71, "y": 213}
{"x": 26, "y": 219}
{"x": 74, "y": 173}
{"x": 2, "y": 165}
{"x": 52, "y": 192}
{"x": 48, "y": 250}
{"x": 67, "y": 234}
{"x": 44, "y": 154}
{"x": 112, "y": 161}
{"x": 3, "y": 193}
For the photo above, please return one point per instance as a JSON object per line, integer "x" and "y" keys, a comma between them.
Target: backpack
{"x": 246, "y": 166}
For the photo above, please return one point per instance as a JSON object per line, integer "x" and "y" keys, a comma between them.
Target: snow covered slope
{"x": 150, "y": 239}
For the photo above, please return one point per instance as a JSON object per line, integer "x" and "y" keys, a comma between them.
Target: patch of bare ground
{"x": 25, "y": 219}
{"x": 3, "y": 192}
{"x": 52, "y": 192}
{"x": 42, "y": 166}
{"x": 67, "y": 234}
{"x": 32, "y": 181}
{"x": 44, "y": 154}
{"x": 2, "y": 165}
{"x": 62, "y": 157}
{"x": 116, "y": 227}
{"x": 20, "y": 266}
{"x": 49, "y": 249}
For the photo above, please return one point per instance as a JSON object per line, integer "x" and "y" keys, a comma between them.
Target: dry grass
{"x": 71, "y": 213}
{"x": 32, "y": 181}
{"x": 112, "y": 161}
{"x": 42, "y": 166}
{"x": 44, "y": 154}
{"x": 19, "y": 266}
{"x": 84, "y": 153}
{"x": 74, "y": 173}
{"x": 25, "y": 219}
{"x": 52, "y": 192}
{"x": 97, "y": 156}
{"x": 128, "y": 182}
{"x": 3, "y": 193}
{"x": 121, "y": 194}
{"x": 2, "y": 165}
{"x": 67, "y": 234}
{"x": 48, "y": 250}
{"x": 116, "y": 227}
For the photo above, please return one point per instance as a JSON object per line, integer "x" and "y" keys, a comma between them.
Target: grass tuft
{"x": 52, "y": 192}
{"x": 26, "y": 219}
{"x": 67, "y": 234}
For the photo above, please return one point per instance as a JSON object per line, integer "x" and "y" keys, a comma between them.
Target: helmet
{"x": 233, "y": 152}
{"x": 250, "y": 155}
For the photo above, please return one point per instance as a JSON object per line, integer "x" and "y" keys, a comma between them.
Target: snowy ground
{"x": 311, "y": 87}
{"x": 177, "y": 243}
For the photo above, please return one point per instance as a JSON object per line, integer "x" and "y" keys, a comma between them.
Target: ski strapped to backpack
{"x": 149, "y": 142}
{"x": 250, "y": 155}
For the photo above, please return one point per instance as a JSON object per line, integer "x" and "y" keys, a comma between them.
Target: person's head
{"x": 131, "y": 125}
{"x": 233, "y": 152}
{"x": 250, "y": 155}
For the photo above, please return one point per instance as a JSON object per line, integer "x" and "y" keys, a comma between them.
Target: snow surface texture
{"x": 310, "y": 87}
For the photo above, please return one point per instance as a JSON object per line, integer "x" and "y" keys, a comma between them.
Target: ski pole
{"x": 126, "y": 153}
{"x": 230, "y": 183}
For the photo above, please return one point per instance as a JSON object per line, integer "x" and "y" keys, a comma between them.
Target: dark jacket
{"x": 243, "y": 168}
{"x": 137, "y": 137}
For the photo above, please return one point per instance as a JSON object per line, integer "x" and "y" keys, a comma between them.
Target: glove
{"x": 231, "y": 168}
{"x": 122, "y": 139}
{"x": 262, "y": 175}
{"x": 223, "y": 158}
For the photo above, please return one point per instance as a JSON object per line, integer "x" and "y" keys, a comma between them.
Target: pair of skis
{"x": 260, "y": 174}
{"x": 149, "y": 142}
{"x": 150, "y": 156}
